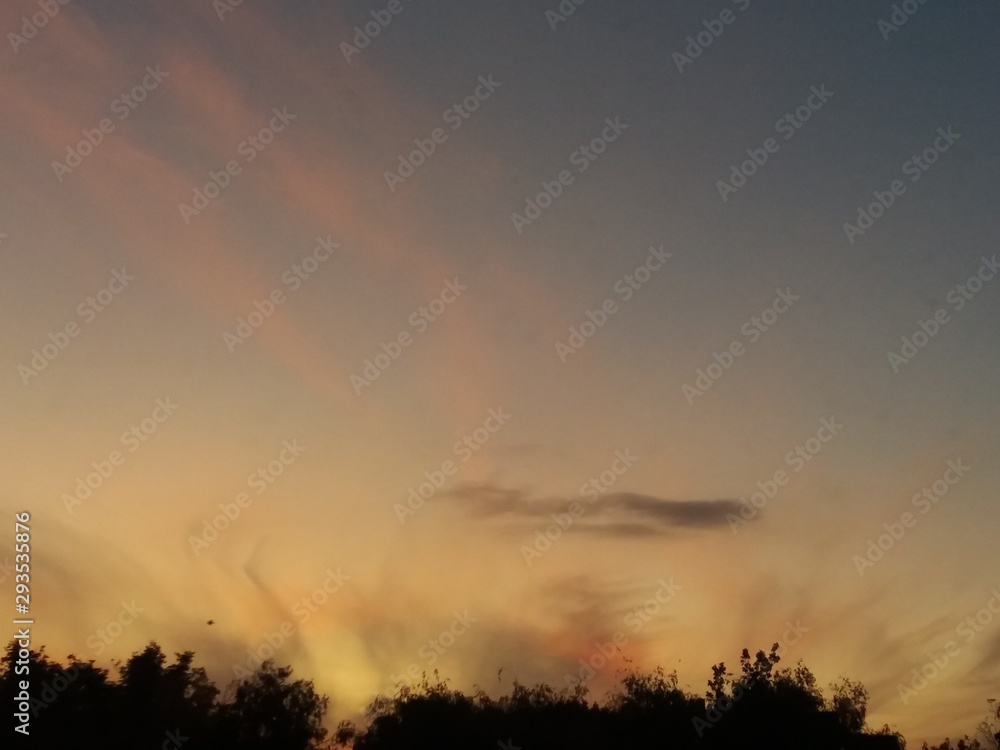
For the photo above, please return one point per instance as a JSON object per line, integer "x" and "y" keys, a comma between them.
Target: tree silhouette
{"x": 762, "y": 708}
{"x": 850, "y": 703}
{"x": 989, "y": 732}
{"x": 990, "y": 728}
{"x": 270, "y": 713}
{"x": 157, "y": 705}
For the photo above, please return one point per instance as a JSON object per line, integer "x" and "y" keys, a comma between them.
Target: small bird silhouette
{"x": 211, "y": 622}
{"x": 499, "y": 673}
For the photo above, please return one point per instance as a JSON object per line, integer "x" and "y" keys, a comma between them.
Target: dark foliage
{"x": 762, "y": 708}
{"x": 172, "y": 706}
{"x": 162, "y": 706}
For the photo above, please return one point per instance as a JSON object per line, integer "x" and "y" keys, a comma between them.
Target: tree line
{"x": 161, "y": 705}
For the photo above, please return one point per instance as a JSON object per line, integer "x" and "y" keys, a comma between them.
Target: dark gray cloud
{"x": 618, "y": 514}
{"x": 684, "y": 513}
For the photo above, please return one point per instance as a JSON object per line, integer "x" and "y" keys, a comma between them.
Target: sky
{"x": 494, "y": 334}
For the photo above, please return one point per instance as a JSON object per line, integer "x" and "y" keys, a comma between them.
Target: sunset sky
{"x": 547, "y": 238}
